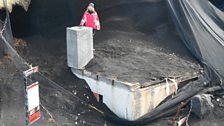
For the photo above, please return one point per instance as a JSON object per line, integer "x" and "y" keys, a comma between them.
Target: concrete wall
{"x": 127, "y": 101}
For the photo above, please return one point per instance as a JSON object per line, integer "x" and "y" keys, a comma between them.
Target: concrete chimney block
{"x": 79, "y": 46}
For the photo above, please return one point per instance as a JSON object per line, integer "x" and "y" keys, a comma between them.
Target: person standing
{"x": 90, "y": 18}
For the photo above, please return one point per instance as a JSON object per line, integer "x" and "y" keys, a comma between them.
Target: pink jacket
{"x": 91, "y": 20}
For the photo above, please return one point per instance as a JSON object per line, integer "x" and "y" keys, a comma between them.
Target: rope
{"x": 51, "y": 117}
{"x": 175, "y": 83}
{"x": 189, "y": 113}
{"x": 167, "y": 87}
{"x": 4, "y": 26}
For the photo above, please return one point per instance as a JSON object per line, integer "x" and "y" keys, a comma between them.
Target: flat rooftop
{"x": 136, "y": 57}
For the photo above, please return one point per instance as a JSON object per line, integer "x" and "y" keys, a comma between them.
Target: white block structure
{"x": 127, "y": 100}
{"x": 79, "y": 46}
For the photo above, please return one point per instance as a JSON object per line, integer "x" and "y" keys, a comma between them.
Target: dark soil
{"x": 135, "y": 58}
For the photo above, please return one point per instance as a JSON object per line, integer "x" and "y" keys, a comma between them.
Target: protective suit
{"x": 90, "y": 19}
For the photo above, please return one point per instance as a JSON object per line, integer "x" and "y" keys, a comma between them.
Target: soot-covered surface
{"x": 136, "y": 45}
{"x": 132, "y": 57}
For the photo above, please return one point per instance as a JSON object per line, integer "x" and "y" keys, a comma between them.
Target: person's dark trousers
{"x": 94, "y": 32}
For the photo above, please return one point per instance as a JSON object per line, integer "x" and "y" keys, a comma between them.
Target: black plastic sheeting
{"x": 201, "y": 26}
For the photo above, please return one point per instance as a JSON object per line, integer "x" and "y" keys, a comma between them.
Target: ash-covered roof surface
{"x": 135, "y": 45}
{"x": 134, "y": 57}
